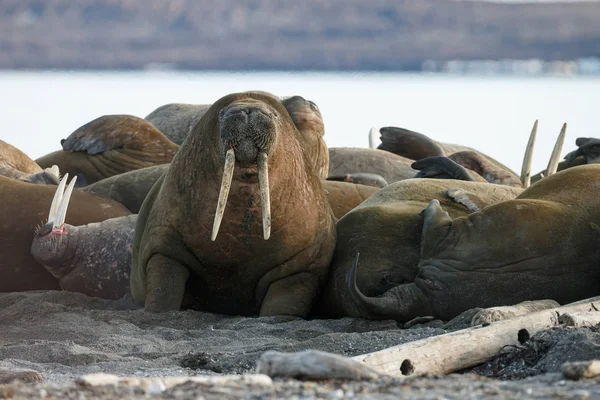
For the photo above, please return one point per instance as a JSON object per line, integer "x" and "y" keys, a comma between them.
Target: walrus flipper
{"x": 588, "y": 147}
{"x": 408, "y": 144}
{"x": 100, "y": 135}
{"x": 165, "y": 284}
{"x": 442, "y": 168}
{"x": 360, "y": 178}
{"x": 467, "y": 199}
{"x": 402, "y": 303}
{"x": 436, "y": 226}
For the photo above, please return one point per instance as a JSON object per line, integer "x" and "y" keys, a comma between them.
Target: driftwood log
{"x": 590, "y": 318}
{"x": 312, "y": 364}
{"x": 581, "y": 369}
{"x": 454, "y": 351}
{"x": 158, "y": 385}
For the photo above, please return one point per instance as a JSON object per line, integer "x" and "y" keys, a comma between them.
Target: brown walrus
{"x": 110, "y": 145}
{"x": 541, "y": 245}
{"x": 386, "y": 230}
{"x": 277, "y": 267}
{"x": 25, "y": 206}
{"x": 176, "y": 120}
{"x": 16, "y": 164}
{"x": 94, "y": 259}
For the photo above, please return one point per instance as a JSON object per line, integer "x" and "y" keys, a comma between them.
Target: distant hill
{"x": 285, "y": 34}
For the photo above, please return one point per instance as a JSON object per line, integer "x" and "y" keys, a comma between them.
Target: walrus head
{"x": 248, "y": 133}
{"x": 50, "y": 242}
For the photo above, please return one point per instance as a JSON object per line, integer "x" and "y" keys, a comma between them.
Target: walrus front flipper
{"x": 361, "y": 178}
{"x": 408, "y": 144}
{"x": 467, "y": 199}
{"x": 402, "y": 303}
{"x": 441, "y": 168}
{"x": 588, "y": 147}
{"x": 165, "y": 284}
{"x": 436, "y": 226}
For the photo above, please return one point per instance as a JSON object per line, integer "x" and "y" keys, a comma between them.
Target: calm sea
{"x": 492, "y": 114}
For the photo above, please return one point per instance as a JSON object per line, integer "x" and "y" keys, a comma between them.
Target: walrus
{"x": 541, "y": 245}
{"x": 110, "y": 145}
{"x": 386, "y": 230}
{"x": 176, "y": 120}
{"x": 25, "y": 206}
{"x": 94, "y": 259}
{"x": 16, "y": 164}
{"x": 350, "y": 160}
{"x": 275, "y": 267}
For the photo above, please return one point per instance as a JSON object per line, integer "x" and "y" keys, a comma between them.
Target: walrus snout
{"x": 248, "y": 129}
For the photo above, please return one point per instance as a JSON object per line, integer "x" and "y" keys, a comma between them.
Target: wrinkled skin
{"x": 541, "y": 245}
{"x": 349, "y": 160}
{"x": 110, "y": 145}
{"x": 25, "y": 206}
{"x": 175, "y": 263}
{"x": 309, "y": 121}
{"x": 176, "y": 120}
{"x": 416, "y": 146}
{"x": 489, "y": 171}
{"x": 94, "y": 259}
{"x": 17, "y": 165}
{"x": 386, "y": 230}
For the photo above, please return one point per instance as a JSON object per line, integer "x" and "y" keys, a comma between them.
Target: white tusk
{"x": 526, "y": 167}
{"x": 265, "y": 199}
{"x": 61, "y": 214}
{"x": 553, "y": 163}
{"x": 57, "y": 198}
{"x": 373, "y": 136}
{"x": 225, "y": 186}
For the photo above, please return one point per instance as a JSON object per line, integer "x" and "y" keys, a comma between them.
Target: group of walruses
{"x": 238, "y": 207}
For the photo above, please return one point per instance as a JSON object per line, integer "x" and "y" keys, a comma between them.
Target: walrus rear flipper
{"x": 588, "y": 148}
{"x": 442, "y": 168}
{"x": 467, "y": 199}
{"x": 409, "y": 144}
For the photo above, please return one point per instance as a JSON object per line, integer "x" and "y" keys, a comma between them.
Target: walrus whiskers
{"x": 64, "y": 204}
{"x": 224, "y": 192}
{"x": 57, "y": 198}
{"x": 554, "y": 158}
{"x": 265, "y": 200}
{"x": 526, "y": 168}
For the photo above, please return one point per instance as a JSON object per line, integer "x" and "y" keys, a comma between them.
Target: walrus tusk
{"x": 553, "y": 163}
{"x": 57, "y": 198}
{"x": 61, "y": 214}
{"x": 372, "y": 135}
{"x": 265, "y": 199}
{"x": 526, "y": 168}
{"x": 225, "y": 186}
